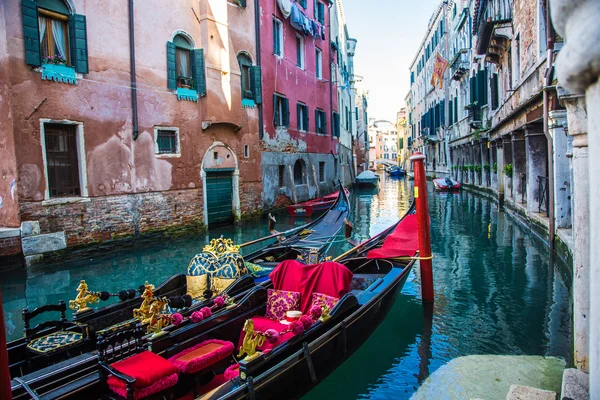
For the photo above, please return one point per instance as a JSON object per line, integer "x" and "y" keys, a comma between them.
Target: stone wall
{"x": 10, "y": 246}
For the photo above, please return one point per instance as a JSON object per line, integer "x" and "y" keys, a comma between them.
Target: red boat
{"x": 315, "y": 206}
{"x": 446, "y": 184}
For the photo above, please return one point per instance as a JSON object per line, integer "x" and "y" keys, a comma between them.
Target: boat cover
{"x": 403, "y": 242}
{"x": 366, "y": 175}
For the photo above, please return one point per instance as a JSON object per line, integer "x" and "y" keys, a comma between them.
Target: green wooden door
{"x": 219, "y": 197}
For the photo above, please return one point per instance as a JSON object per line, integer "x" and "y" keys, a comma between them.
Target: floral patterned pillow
{"x": 320, "y": 299}
{"x": 279, "y": 302}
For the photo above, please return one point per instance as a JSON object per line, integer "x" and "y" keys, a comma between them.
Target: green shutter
{"x": 317, "y": 120}
{"x": 306, "y": 120}
{"x": 456, "y": 109}
{"x": 494, "y": 90}
{"x": 31, "y": 34}
{"x": 321, "y": 12}
{"x": 315, "y": 9}
{"x": 275, "y": 111}
{"x": 171, "y": 66}
{"x": 472, "y": 91}
{"x": 78, "y": 39}
{"x": 243, "y": 3}
{"x": 324, "y": 120}
{"x": 256, "y": 83}
{"x": 450, "y": 112}
{"x": 286, "y": 111}
{"x": 481, "y": 92}
{"x": 198, "y": 71}
{"x": 298, "y": 106}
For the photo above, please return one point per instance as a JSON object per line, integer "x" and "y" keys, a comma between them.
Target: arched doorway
{"x": 220, "y": 181}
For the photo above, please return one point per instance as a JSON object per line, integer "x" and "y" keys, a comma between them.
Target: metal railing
{"x": 543, "y": 195}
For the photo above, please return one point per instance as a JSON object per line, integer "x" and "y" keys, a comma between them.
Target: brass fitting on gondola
{"x": 252, "y": 340}
{"x": 84, "y": 296}
{"x": 143, "y": 313}
{"x": 157, "y": 320}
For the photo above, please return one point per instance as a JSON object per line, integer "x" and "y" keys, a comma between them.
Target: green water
{"x": 497, "y": 292}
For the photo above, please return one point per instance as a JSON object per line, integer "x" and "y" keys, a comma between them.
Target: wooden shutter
{"x": 298, "y": 106}
{"x": 472, "y": 89}
{"x": 275, "y": 111}
{"x": 171, "y": 66}
{"x": 315, "y": 14}
{"x": 494, "y": 87}
{"x": 256, "y": 83}
{"x": 306, "y": 119}
{"x": 78, "y": 41}
{"x": 456, "y": 109}
{"x": 31, "y": 34}
{"x": 324, "y": 119}
{"x": 243, "y": 3}
{"x": 198, "y": 71}
{"x": 317, "y": 121}
{"x": 443, "y": 113}
{"x": 321, "y": 12}
{"x": 286, "y": 111}
{"x": 450, "y": 112}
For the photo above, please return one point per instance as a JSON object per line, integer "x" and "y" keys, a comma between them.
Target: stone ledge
{"x": 43, "y": 243}
{"x": 575, "y": 385}
{"x": 7, "y": 233}
{"x": 65, "y": 200}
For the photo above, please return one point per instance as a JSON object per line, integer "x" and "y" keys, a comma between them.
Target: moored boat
{"x": 315, "y": 206}
{"x": 395, "y": 171}
{"x": 367, "y": 179}
{"x": 446, "y": 184}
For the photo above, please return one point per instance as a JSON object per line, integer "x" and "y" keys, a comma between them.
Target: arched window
{"x": 183, "y": 61}
{"x": 53, "y": 17}
{"x": 245, "y": 64}
{"x": 299, "y": 172}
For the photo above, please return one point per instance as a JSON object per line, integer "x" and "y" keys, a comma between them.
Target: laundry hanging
{"x": 285, "y": 6}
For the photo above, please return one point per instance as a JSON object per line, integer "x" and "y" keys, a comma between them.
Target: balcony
{"x": 459, "y": 65}
{"x": 492, "y": 22}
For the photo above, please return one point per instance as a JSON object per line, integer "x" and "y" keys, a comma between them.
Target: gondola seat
{"x": 201, "y": 356}
{"x": 151, "y": 372}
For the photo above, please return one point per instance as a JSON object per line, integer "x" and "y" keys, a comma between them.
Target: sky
{"x": 389, "y": 33}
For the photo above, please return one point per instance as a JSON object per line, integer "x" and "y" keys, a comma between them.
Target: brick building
{"x": 111, "y": 126}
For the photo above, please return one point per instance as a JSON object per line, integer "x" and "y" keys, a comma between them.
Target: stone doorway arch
{"x": 220, "y": 169}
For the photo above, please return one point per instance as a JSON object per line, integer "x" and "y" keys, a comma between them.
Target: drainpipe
{"x": 547, "y": 87}
{"x": 134, "y": 112}
{"x": 259, "y": 63}
{"x": 330, "y": 79}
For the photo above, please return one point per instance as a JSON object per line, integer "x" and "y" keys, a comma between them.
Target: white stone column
{"x": 578, "y": 68}
{"x": 562, "y": 171}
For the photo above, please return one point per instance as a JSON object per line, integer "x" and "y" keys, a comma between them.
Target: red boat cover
{"x": 330, "y": 278}
{"x": 403, "y": 242}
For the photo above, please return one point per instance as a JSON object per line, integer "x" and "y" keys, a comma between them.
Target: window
{"x": 245, "y": 64}
{"x": 320, "y": 12}
{"x": 302, "y": 117}
{"x": 281, "y": 113}
{"x": 246, "y": 151}
{"x": 183, "y": 62}
{"x": 185, "y": 65}
{"x": 62, "y": 161}
{"x": 347, "y": 119}
{"x": 281, "y": 175}
{"x": 54, "y": 35}
{"x": 302, "y": 3}
{"x": 336, "y": 125}
{"x": 277, "y": 38}
{"x": 321, "y": 171}
{"x": 320, "y": 121}
{"x": 299, "y": 51}
{"x": 319, "y": 66}
{"x": 299, "y": 172}
{"x": 167, "y": 141}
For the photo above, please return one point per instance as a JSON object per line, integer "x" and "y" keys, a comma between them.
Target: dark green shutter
{"x": 275, "y": 37}
{"x": 306, "y": 120}
{"x": 298, "y": 105}
{"x": 243, "y": 3}
{"x": 324, "y": 119}
{"x": 171, "y": 66}
{"x": 450, "y": 112}
{"x": 315, "y": 9}
{"x": 275, "y": 111}
{"x": 302, "y": 3}
{"x": 286, "y": 111}
{"x": 321, "y": 12}
{"x": 456, "y": 109}
{"x": 78, "y": 39}
{"x": 443, "y": 113}
{"x": 31, "y": 34}
{"x": 494, "y": 87}
{"x": 472, "y": 89}
{"x": 317, "y": 120}
{"x": 198, "y": 71}
{"x": 481, "y": 98}
{"x": 256, "y": 83}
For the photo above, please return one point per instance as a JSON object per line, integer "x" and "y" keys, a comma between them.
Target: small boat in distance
{"x": 446, "y": 184}
{"x": 315, "y": 206}
{"x": 395, "y": 170}
{"x": 367, "y": 179}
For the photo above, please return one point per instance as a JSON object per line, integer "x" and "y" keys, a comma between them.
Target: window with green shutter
{"x": 245, "y": 64}
{"x": 302, "y": 117}
{"x": 450, "y": 112}
{"x": 302, "y": 3}
{"x": 321, "y": 121}
{"x": 335, "y": 128}
{"x": 78, "y": 42}
{"x": 321, "y": 13}
{"x": 198, "y": 71}
{"x": 256, "y": 83}
{"x": 494, "y": 91}
{"x": 281, "y": 109}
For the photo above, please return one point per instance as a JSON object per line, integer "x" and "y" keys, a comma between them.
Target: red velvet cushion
{"x": 201, "y": 356}
{"x": 262, "y": 324}
{"x": 147, "y": 368}
{"x": 279, "y": 302}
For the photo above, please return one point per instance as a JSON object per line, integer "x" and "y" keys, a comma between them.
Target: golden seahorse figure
{"x": 156, "y": 320}
{"x": 83, "y": 298}
{"x": 143, "y": 313}
{"x": 251, "y": 341}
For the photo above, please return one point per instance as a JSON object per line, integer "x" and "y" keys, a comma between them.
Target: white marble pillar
{"x": 578, "y": 68}
{"x": 562, "y": 171}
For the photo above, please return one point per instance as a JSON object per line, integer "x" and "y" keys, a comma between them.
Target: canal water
{"x": 497, "y": 290}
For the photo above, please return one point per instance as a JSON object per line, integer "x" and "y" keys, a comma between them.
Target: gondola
{"x": 446, "y": 185}
{"x": 313, "y": 207}
{"x": 295, "y": 362}
{"x": 395, "y": 171}
{"x": 309, "y": 242}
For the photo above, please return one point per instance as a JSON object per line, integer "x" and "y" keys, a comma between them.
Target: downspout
{"x": 330, "y": 79}
{"x": 134, "y": 111}
{"x": 259, "y": 63}
{"x": 546, "y": 100}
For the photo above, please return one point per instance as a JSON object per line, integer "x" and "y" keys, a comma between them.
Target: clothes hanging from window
{"x": 296, "y": 17}
{"x": 285, "y": 6}
{"x": 316, "y": 32}
{"x": 306, "y": 25}
{"x": 323, "y": 32}
{"x": 59, "y": 38}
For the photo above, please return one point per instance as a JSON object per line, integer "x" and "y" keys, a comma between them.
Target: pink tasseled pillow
{"x": 320, "y": 299}
{"x": 279, "y": 302}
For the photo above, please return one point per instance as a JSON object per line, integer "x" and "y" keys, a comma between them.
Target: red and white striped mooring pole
{"x": 424, "y": 228}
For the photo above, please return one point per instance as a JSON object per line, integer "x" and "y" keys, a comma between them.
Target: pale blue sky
{"x": 389, "y": 33}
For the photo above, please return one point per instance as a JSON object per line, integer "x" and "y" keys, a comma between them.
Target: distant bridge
{"x": 382, "y": 161}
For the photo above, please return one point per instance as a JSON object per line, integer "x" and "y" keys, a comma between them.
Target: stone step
{"x": 518, "y": 392}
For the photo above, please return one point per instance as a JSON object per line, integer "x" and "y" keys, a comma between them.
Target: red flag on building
{"x": 437, "y": 78}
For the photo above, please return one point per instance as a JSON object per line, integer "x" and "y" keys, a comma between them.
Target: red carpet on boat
{"x": 403, "y": 242}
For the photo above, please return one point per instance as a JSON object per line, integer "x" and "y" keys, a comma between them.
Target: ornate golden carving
{"x": 221, "y": 246}
{"x": 83, "y": 298}
{"x": 252, "y": 340}
{"x": 325, "y": 314}
{"x": 143, "y": 313}
{"x": 156, "y": 320}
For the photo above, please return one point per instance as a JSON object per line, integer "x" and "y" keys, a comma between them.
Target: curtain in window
{"x": 58, "y": 32}
{"x": 184, "y": 62}
{"x": 43, "y": 39}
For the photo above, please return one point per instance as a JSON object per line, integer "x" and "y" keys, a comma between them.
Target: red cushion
{"x": 201, "y": 356}
{"x": 147, "y": 368}
{"x": 330, "y": 278}
{"x": 403, "y": 242}
{"x": 140, "y": 393}
{"x": 261, "y": 324}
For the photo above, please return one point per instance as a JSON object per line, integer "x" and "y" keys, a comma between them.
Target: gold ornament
{"x": 221, "y": 246}
{"x": 325, "y": 313}
{"x": 252, "y": 340}
{"x": 143, "y": 313}
{"x": 83, "y": 298}
{"x": 156, "y": 320}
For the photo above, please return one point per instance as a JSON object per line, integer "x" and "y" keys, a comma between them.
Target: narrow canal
{"x": 497, "y": 291}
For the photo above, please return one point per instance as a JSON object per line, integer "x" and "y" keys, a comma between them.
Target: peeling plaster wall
{"x": 118, "y": 166}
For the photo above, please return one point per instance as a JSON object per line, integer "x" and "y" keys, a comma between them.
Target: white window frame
{"x": 302, "y": 52}
{"x": 81, "y": 159}
{"x": 279, "y": 34}
{"x": 178, "y": 138}
{"x": 304, "y": 109}
{"x": 279, "y": 106}
{"x": 319, "y": 62}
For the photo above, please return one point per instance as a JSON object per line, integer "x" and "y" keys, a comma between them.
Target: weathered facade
{"x": 95, "y": 151}
{"x": 403, "y": 138}
{"x": 361, "y": 147}
{"x": 384, "y": 140}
